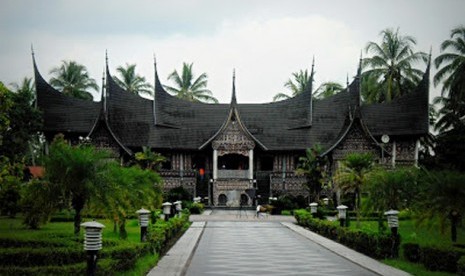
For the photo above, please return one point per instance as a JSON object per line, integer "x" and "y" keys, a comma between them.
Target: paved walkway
{"x": 229, "y": 243}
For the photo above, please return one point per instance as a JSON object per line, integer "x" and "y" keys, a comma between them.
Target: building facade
{"x": 232, "y": 153}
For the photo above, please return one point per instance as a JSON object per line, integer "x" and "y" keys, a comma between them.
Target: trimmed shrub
{"x": 104, "y": 267}
{"x": 412, "y": 252}
{"x": 372, "y": 244}
{"x": 441, "y": 259}
{"x": 196, "y": 208}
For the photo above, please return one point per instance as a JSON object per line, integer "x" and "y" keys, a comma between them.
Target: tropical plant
{"x": 442, "y": 197}
{"x": 328, "y": 89}
{"x": 27, "y": 87}
{"x": 24, "y": 120}
{"x": 298, "y": 84}
{"x": 147, "y": 159}
{"x": 393, "y": 189}
{"x": 5, "y": 106}
{"x": 132, "y": 82}
{"x": 392, "y": 62}
{"x": 189, "y": 88}
{"x": 452, "y": 65}
{"x": 313, "y": 166}
{"x": 73, "y": 172}
{"x": 73, "y": 80}
{"x": 351, "y": 176}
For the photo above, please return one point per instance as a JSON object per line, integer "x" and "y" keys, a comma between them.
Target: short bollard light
{"x": 326, "y": 201}
{"x": 313, "y": 208}
{"x": 144, "y": 223}
{"x": 167, "y": 210}
{"x": 342, "y": 210}
{"x": 197, "y": 199}
{"x": 393, "y": 220}
{"x": 393, "y": 223}
{"x": 92, "y": 243}
{"x": 178, "y": 207}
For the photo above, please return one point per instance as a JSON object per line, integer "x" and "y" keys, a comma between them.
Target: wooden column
{"x": 251, "y": 164}
{"x": 215, "y": 164}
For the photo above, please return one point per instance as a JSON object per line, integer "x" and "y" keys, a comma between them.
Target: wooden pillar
{"x": 251, "y": 164}
{"x": 393, "y": 154}
{"x": 215, "y": 164}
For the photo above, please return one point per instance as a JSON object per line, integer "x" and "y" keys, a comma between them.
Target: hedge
{"x": 433, "y": 257}
{"x": 67, "y": 257}
{"x": 461, "y": 266}
{"x": 441, "y": 259}
{"x": 378, "y": 246}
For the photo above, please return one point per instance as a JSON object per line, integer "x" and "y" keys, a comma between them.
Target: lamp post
{"x": 313, "y": 208}
{"x": 92, "y": 244}
{"x": 326, "y": 201}
{"x": 209, "y": 192}
{"x": 167, "y": 210}
{"x": 393, "y": 223}
{"x": 144, "y": 223}
{"x": 393, "y": 220}
{"x": 178, "y": 207}
{"x": 342, "y": 209}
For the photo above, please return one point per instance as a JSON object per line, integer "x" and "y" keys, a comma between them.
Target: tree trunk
{"x": 454, "y": 218}
{"x": 123, "y": 234}
{"x": 78, "y": 205}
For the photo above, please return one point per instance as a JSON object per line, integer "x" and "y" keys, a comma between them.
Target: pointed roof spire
{"x": 32, "y": 50}
{"x": 233, "y": 97}
{"x": 347, "y": 81}
{"x": 106, "y": 59}
{"x": 312, "y": 74}
{"x": 359, "y": 71}
{"x": 155, "y": 85}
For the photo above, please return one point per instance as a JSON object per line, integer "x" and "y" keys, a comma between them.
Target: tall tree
{"x": 328, "y": 89}
{"x": 313, "y": 166}
{"x": 24, "y": 120}
{"x": 131, "y": 81}
{"x": 352, "y": 175}
{"x": 188, "y": 87}
{"x": 297, "y": 84}
{"x": 452, "y": 65}
{"x": 392, "y": 63}
{"x": 73, "y": 80}
{"x": 442, "y": 197}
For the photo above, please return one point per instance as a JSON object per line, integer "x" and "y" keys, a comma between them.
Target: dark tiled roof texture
{"x": 180, "y": 124}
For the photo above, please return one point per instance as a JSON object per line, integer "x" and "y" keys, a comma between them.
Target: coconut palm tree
{"x": 188, "y": 88}
{"x": 452, "y": 63}
{"x": 73, "y": 80}
{"x": 297, "y": 85}
{"x": 132, "y": 82}
{"x": 392, "y": 62}
{"x": 328, "y": 89}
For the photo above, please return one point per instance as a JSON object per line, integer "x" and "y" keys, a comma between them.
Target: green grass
{"x": 412, "y": 233}
{"x": 14, "y": 229}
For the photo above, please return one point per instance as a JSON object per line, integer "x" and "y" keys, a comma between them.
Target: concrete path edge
{"x": 176, "y": 260}
{"x": 347, "y": 253}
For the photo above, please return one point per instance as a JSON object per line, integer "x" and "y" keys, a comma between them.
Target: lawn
{"x": 58, "y": 236}
{"x": 412, "y": 233}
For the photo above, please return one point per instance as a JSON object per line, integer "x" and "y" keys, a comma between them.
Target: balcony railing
{"x": 233, "y": 174}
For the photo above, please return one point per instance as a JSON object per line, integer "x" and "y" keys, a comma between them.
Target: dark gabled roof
{"x": 62, "y": 113}
{"x": 292, "y": 124}
{"x": 406, "y": 115}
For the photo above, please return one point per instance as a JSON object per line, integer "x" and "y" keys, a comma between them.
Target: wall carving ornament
{"x": 233, "y": 141}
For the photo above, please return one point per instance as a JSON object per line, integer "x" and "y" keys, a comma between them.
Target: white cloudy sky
{"x": 264, "y": 40}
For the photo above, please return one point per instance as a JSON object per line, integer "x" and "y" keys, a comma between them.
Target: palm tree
{"x": 26, "y": 86}
{"x": 328, "y": 89}
{"x": 147, "y": 159}
{"x": 352, "y": 175}
{"x": 391, "y": 63}
{"x": 313, "y": 166}
{"x": 297, "y": 85}
{"x": 73, "y": 80}
{"x": 132, "y": 82}
{"x": 452, "y": 73}
{"x": 442, "y": 197}
{"x": 188, "y": 88}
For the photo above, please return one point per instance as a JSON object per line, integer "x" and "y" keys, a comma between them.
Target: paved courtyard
{"x": 227, "y": 242}
{"x": 264, "y": 248}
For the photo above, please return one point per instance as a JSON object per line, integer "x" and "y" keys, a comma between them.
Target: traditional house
{"x": 233, "y": 152}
